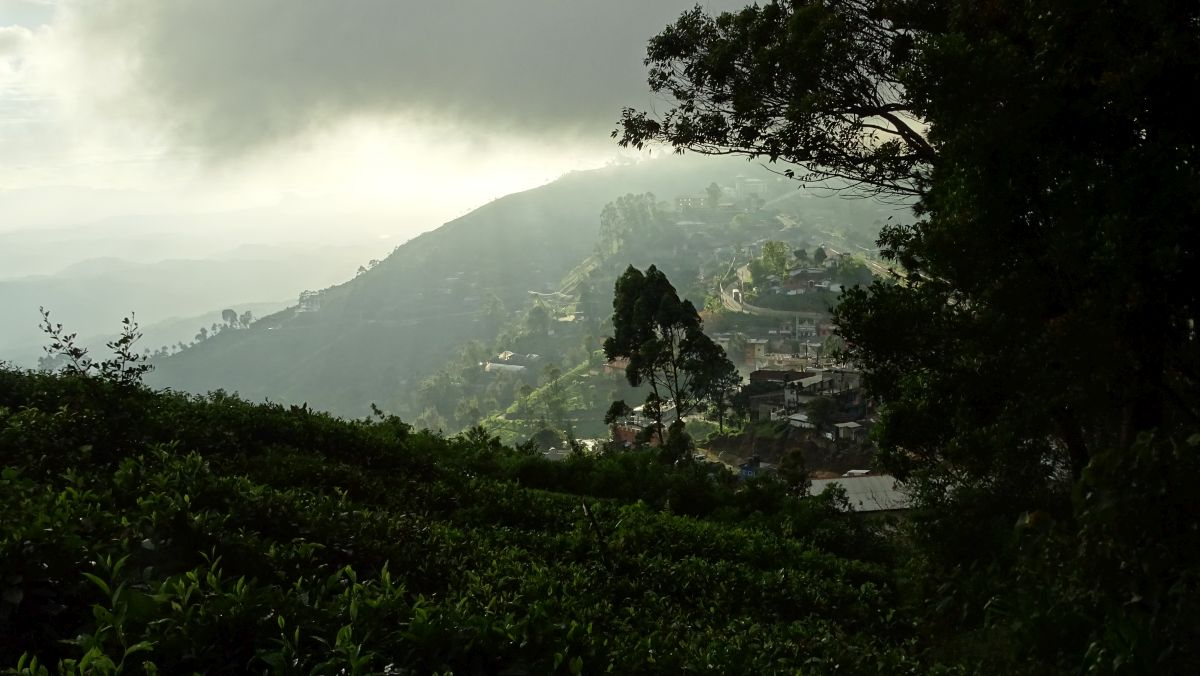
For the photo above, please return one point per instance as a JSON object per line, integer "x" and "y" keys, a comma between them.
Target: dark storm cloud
{"x": 231, "y": 75}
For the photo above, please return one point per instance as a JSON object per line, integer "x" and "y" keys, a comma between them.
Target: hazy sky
{"x": 417, "y": 110}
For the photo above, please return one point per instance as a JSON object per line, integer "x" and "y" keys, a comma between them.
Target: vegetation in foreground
{"x": 152, "y": 532}
{"x": 1036, "y": 358}
{"x": 147, "y": 532}
{"x": 1037, "y": 365}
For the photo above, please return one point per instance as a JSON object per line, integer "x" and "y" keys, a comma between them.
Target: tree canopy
{"x": 820, "y": 86}
{"x": 667, "y": 349}
{"x": 775, "y": 258}
{"x": 1050, "y": 275}
{"x": 1043, "y": 330}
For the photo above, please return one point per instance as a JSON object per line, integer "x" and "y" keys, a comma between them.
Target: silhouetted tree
{"x": 713, "y": 195}
{"x": 537, "y": 320}
{"x": 663, "y": 339}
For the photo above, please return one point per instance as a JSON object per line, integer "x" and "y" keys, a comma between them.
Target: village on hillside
{"x": 763, "y": 264}
{"x": 768, "y": 279}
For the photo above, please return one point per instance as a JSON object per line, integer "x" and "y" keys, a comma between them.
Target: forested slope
{"x": 379, "y": 332}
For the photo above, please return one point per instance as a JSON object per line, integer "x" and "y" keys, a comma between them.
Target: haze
{"x": 139, "y": 132}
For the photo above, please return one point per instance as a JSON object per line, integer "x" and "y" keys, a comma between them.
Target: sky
{"x": 383, "y": 118}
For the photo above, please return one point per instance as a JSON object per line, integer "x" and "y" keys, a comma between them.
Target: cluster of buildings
{"x": 829, "y": 401}
{"x": 795, "y": 343}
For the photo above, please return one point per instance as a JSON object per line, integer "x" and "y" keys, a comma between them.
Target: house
{"x": 758, "y": 347}
{"x": 764, "y": 404}
{"x": 629, "y": 432}
{"x": 785, "y": 361}
{"x": 689, "y": 203}
{"x": 557, "y": 453}
{"x": 794, "y": 398}
{"x": 617, "y": 365}
{"x": 880, "y": 493}
{"x": 667, "y": 411}
{"x": 850, "y": 431}
{"x": 773, "y": 376}
{"x": 750, "y": 468}
{"x": 510, "y": 362}
{"x": 801, "y": 421}
{"x": 501, "y": 367}
{"x": 310, "y": 301}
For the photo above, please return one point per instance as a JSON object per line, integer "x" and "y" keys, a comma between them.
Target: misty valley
{"x": 803, "y": 337}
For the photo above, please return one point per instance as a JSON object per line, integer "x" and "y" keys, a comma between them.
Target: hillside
{"x": 156, "y": 533}
{"x": 375, "y": 336}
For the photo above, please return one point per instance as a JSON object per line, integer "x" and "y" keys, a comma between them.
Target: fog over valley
{"x": 139, "y": 148}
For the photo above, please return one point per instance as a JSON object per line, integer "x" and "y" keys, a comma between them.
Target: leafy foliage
{"x": 124, "y": 367}
{"x": 208, "y": 534}
{"x": 818, "y": 85}
{"x": 775, "y": 258}
{"x": 1037, "y": 358}
{"x": 667, "y": 349}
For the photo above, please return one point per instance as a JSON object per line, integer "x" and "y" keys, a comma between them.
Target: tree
{"x": 467, "y": 413}
{"x": 537, "y": 320}
{"x": 821, "y": 86}
{"x": 546, "y": 438}
{"x": 124, "y": 368}
{"x": 1044, "y": 328}
{"x": 678, "y": 446}
{"x": 494, "y": 311}
{"x": 246, "y": 318}
{"x": 718, "y": 382}
{"x": 629, "y": 219}
{"x": 713, "y": 305}
{"x": 819, "y": 255}
{"x": 775, "y": 258}
{"x": 794, "y": 473}
{"x": 713, "y": 195}
{"x": 821, "y": 412}
{"x": 430, "y": 419}
{"x": 554, "y": 398}
{"x": 852, "y": 272}
{"x": 616, "y": 410}
{"x": 230, "y": 317}
{"x": 758, "y": 272}
{"x": 663, "y": 339}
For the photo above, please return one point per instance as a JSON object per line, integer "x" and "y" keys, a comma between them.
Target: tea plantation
{"x": 146, "y": 532}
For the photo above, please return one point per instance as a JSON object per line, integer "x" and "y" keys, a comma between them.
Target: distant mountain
{"x": 362, "y": 341}
{"x": 156, "y": 336}
{"x": 90, "y": 297}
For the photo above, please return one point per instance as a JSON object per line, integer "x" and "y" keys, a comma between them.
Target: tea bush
{"x": 147, "y": 532}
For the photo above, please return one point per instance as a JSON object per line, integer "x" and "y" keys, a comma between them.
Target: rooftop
{"x": 867, "y": 493}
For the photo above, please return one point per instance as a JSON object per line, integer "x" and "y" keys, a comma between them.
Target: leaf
{"x": 139, "y": 647}
{"x": 99, "y": 583}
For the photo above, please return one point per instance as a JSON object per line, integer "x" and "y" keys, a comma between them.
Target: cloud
{"x": 14, "y": 44}
{"x": 234, "y": 76}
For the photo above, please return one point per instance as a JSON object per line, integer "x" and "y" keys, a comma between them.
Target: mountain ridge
{"x": 378, "y": 332}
